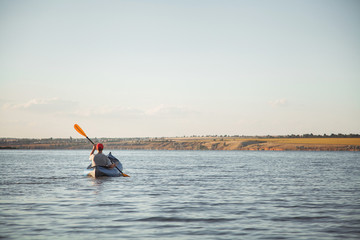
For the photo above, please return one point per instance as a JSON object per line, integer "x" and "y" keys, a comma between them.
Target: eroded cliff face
{"x": 256, "y": 144}
{"x": 236, "y": 144}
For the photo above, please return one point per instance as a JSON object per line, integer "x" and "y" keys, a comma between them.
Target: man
{"x": 100, "y": 159}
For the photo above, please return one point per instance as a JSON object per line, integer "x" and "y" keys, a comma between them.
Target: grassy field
{"x": 321, "y": 141}
{"x": 273, "y": 144}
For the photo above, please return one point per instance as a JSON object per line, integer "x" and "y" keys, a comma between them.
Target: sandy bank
{"x": 203, "y": 143}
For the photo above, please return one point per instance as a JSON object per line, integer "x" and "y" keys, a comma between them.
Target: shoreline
{"x": 195, "y": 143}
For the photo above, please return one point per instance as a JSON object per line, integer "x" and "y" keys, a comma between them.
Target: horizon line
{"x": 306, "y": 135}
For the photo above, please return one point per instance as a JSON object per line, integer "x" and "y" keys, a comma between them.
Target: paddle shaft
{"x": 90, "y": 140}
{"x": 125, "y": 175}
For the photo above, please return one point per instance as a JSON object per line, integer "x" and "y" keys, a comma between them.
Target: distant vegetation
{"x": 308, "y": 135}
{"x": 305, "y": 142}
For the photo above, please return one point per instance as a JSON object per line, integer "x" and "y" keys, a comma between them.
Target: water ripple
{"x": 174, "y": 219}
{"x": 182, "y": 195}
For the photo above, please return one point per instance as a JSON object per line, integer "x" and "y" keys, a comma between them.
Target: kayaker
{"x": 100, "y": 159}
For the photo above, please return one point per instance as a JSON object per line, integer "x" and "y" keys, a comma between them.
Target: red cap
{"x": 99, "y": 147}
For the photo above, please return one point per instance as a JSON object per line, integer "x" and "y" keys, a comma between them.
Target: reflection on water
{"x": 182, "y": 195}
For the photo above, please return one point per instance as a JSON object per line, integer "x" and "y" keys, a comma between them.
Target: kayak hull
{"x": 98, "y": 171}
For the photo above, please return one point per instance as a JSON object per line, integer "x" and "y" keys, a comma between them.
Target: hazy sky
{"x": 173, "y": 68}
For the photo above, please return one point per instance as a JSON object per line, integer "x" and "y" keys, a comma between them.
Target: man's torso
{"x": 100, "y": 160}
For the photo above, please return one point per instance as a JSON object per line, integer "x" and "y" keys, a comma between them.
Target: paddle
{"x": 79, "y": 130}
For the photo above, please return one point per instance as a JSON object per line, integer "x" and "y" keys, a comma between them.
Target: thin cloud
{"x": 278, "y": 102}
{"x": 48, "y": 105}
{"x": 169, "y": 111}
{"x": 107, "y": 111}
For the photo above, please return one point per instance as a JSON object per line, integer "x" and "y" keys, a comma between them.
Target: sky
{"x": 166, "y": 68}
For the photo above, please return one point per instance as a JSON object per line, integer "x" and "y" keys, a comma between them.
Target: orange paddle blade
{"x": 79, "y": 130}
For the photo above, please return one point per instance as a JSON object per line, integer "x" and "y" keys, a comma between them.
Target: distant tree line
{"x": 307, "y": 135}
{"x": 310, "y": 135}
{"x": 62, "y": 141}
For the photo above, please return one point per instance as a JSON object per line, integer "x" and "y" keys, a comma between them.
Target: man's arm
{"x": 93, "y": 149}
{"x": 111, "y": 166}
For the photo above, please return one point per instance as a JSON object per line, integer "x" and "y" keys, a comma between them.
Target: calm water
{"x": 181, "y": 195}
